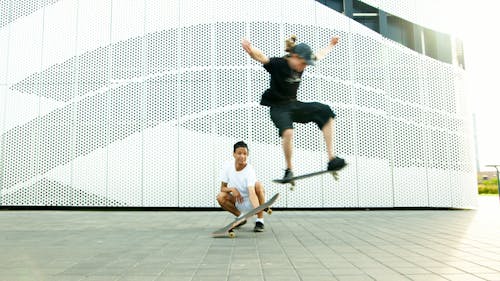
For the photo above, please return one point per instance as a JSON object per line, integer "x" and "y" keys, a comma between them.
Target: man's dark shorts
{"x": 283, "y": 116}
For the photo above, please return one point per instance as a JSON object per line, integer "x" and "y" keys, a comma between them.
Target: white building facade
{"x": 138, "y": 103}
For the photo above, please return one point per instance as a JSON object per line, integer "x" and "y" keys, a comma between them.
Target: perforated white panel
{"x": 138, "y": 103}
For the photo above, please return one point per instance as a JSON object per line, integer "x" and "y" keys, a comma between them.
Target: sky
{"x": 480, "y": 27}
{"x": 478, "y": 24}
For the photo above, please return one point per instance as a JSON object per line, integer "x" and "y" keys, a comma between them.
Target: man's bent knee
{"x": 222, "y": 197}
{"x": 259, "y": 187}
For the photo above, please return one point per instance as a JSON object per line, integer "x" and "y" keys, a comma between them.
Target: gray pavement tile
{"x": 410, "y": 270}
{"x": 138, "y": 278}
{"x": 473, "y": 268}
{"x": 336, "y": 264}
{"x": 241, "y": 264}
{"x": 214, "y": 272}
{"x": 142, "y": 267}
{"x": 318, "y": 278}
{"x": 489, "y": 276}
{"x": 426, "y": 277}
{"x": 278, "y": 278}
{"x": 357, "y": 277}
{"x": 275, "y": 264}
{"x": 297, "y": 245}
{"x": 181, "y": 266}
{"x": 384, "y": 274}
{"x": 444, "y": 270}
{"x": 78, "y": 270}
{"x": 174, "y": 278}
{"x": 144, "y": 272}
{"x": 281, "y": 272}
{"x": 218, "y": 266}
{"x": 250, "y": 271}
{"x": 428, "y": 263}
{"x": 239, "y": 278}
{"x": 100, "y": 278}
{"x": 70, "y": 278}
{"x": 177, "y": 273}
{"x": 462, "y": 277}
{"x": 14, "y": 276}
{"x": 308, "y": 265}
{"x": 396, "y": 263}
{"x": 109, "y": 273}
{"x": 390, "y": 277}
{"x": 346, "y": 271}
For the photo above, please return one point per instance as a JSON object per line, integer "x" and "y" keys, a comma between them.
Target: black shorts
{"x": 283, "y": 116}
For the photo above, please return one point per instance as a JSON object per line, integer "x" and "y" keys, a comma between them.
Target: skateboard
{"x": 304, "y": 176}
{"x": 228, "y": 230}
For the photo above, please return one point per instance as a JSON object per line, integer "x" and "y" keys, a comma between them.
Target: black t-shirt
{"x": 284, "y": 83}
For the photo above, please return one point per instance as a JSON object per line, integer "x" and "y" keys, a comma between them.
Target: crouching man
{"x": 240, "y": 191}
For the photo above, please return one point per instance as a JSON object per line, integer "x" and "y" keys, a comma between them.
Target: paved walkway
{"x": 297, "y": 245}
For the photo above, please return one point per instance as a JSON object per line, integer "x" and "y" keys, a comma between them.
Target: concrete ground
{"x": 296, "y": 245}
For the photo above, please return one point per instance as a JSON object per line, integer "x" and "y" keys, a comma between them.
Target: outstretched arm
{"x": 254, "y": 53}
{"x": 321, "y": 54}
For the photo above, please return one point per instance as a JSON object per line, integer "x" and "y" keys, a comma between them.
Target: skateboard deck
{"x": 228, "y": 230}
{"x": 305, "y": 176}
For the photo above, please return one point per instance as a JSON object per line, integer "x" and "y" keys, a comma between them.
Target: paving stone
{"x": 296, "y": 245}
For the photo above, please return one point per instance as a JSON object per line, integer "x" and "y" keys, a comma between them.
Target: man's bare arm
{"x": 321, "y": 54}
{"x": 254, "y": 53}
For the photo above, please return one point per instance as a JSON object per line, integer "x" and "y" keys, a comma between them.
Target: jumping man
{"x": 281, "y": 97}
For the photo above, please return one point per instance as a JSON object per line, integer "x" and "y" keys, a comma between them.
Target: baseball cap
{"x": 304, "y": 51}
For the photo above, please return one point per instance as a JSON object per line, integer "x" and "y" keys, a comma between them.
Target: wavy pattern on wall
{"x": 145, "y": 108}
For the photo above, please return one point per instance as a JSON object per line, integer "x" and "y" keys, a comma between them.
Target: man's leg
{"x": 259, "y": 222}
{"x": 282, "y": 119}
{"x": 335, "y": 162}
{"x": 259, "y": 190}
{"x": 227, "y": 202}
{"x": 287, "y": 143}
{"x": 328, "y": 135}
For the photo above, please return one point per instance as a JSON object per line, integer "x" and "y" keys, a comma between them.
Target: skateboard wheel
{"x": 231, "y": 234}
{"x": 269, "y": 211}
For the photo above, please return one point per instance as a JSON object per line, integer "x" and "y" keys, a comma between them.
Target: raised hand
{"x": 247, "y": 46}
{"x": 334, "y": 41}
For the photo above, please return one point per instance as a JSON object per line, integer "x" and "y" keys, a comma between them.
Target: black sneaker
{"x": 259, "y": 227}
{"x": 241, "y": 224}
{"x": 336, "y": 164}
{"x": 288, "y": 175}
